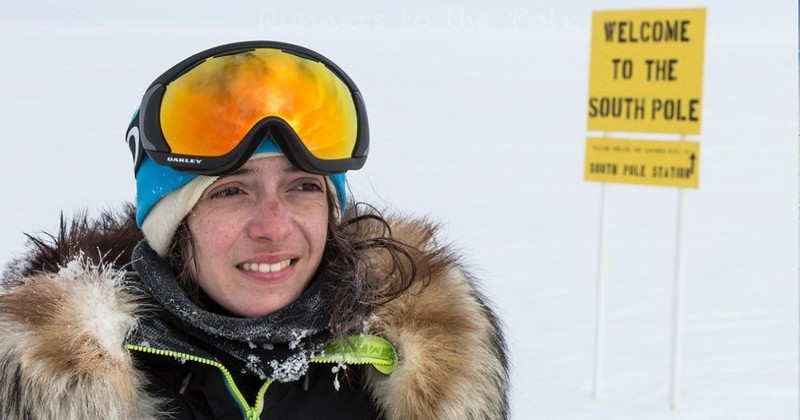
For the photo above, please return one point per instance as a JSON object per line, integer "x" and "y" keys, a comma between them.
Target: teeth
{"x": 266, "y": 268}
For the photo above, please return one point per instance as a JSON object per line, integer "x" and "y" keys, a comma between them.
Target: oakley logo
{"x": 133, "y": 143}
{"x": 189, "y": 161}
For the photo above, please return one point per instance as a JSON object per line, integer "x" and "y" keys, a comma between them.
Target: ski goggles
{"x": 207, "y": 114}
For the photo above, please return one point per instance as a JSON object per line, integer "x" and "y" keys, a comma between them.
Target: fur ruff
{"x": 62, "y": 353}
{"x": 452, "y": 363}
{"x": 61, "y": 356}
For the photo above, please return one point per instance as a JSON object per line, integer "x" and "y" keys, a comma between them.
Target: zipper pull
{"x": 361, "y": 350}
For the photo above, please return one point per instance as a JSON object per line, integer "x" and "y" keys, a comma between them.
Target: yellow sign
{"x": 646, "y": 71}
{"x": 649, "y": 162}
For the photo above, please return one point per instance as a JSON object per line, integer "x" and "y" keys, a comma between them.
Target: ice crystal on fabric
{"x": 254, "y": 366}
{"x": 290, "y": 369}
{"x": 335, "y": 370}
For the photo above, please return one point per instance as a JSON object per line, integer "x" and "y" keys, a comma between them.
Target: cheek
{"x": 318, "y": 228}
{"x": 210, "y": 236}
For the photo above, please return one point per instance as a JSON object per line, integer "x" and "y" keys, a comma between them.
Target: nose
{"x": 270, "y": 221}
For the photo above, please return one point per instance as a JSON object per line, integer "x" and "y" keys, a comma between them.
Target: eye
{"x": 308, "y": 187}
{"x": 227, "y": 192}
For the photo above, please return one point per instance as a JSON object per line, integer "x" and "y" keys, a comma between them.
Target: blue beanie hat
{"x": 165, "y": 196}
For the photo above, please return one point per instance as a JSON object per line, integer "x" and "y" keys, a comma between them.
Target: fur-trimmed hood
{"x": 65, "y": 313}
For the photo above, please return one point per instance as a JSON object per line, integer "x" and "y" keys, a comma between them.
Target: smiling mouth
{"x": 265, "y": 268}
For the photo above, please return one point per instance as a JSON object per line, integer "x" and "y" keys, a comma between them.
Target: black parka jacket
{"x": 193, "y": 390}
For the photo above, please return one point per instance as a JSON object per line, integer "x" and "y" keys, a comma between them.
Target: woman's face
{"x": 258, "y": 235}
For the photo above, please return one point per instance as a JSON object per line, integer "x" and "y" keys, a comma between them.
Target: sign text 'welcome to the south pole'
{"x": 646, "y": 71}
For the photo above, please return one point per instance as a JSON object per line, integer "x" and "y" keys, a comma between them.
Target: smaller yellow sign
{"x": 648, "y": 162}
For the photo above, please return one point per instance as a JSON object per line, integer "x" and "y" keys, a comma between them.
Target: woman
{"x": 244, "y": 284}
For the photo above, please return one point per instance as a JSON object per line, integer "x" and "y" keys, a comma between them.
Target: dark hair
{"x": 353, "y": 243}
{"x": 179, "y": 256}
{"x": 355, "y": 246}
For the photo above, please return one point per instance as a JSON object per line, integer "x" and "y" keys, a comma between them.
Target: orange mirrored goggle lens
{"x": 208, "y": 110}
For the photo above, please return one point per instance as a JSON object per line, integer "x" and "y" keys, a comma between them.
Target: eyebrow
{"x": 240, "y": 171}
{"x": 291, "y": 169}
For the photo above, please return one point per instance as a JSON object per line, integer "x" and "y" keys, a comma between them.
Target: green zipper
{"x": 355, "y": 350}
{"x": 250, "y": 413}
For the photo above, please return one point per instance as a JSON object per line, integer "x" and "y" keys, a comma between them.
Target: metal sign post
{"x": 676, "y": 355}
{"x": 600, "y": 296}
